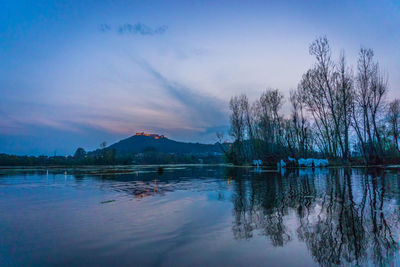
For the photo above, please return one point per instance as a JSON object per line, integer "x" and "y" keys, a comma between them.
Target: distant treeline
{"x": 336, "y": 113}
{"x": 106, "y": 156}
{"x": 81, "y": 157}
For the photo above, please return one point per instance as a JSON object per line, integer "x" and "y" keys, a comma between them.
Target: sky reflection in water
{"x": 199, "y": 215}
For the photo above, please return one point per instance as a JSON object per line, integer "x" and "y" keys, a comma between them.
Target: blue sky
{"x": 76, "y": 73}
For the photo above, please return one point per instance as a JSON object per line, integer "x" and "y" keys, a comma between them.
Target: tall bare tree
{"x": 321, "y": 97}
{"x": 237, "y": 130}
{"x": 345, "y": 98}
{"x": 370, "y": 90}
{"x": 268, "y": 120}
{"x": 393, "y": 116}
{"x": 300, "y": 132}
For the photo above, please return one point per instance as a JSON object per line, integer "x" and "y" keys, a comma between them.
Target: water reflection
{"x": 152, "y": 182}
{"x": 343, "y": 215}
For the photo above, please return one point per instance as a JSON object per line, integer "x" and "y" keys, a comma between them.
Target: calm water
{"x": 197, "y": 216}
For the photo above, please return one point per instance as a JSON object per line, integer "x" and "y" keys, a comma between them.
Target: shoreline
{"x": 270, "y": 167}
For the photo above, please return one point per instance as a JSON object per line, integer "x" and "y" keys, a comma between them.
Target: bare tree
{"x": 393, "y": 117}
{"x": 268, "y": 120}
{"x": 249, "y": 127}
{"x": 370, "y": 90}
{"x": 345, "y": 94}
{"x": 301, "y": 126}
{"x": 320, "y": 95}
{"x": 238, "y": 127}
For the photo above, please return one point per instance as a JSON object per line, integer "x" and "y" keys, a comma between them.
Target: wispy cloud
{"x": 134, "y": 29}
{"x": 201, "y": 109}
{"x": 105, "y": 27}
{"x": 142, "y": 29}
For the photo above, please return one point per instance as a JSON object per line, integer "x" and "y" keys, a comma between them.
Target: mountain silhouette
{"x": 142, "y": 142}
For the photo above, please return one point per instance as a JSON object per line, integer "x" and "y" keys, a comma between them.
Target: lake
{"x": 199, "y": 216}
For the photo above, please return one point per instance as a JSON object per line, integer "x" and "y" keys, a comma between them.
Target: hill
{"x": 143, "y": 142}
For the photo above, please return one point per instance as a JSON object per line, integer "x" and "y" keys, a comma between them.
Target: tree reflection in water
{"x": 342, "y": 215}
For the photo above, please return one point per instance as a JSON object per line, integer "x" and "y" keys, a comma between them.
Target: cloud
{"x": 105, "y": 27}
{"x": 134, "y": 29}
{"x": 141, "y": 29}
{"x": 202, "y": 110}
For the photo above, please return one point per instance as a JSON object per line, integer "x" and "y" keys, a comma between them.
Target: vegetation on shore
{"x": 335, "y": 114}
{"x": 108, "y": 157}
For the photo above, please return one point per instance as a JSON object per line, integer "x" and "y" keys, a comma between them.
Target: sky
{"x": 76, "y": 73}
